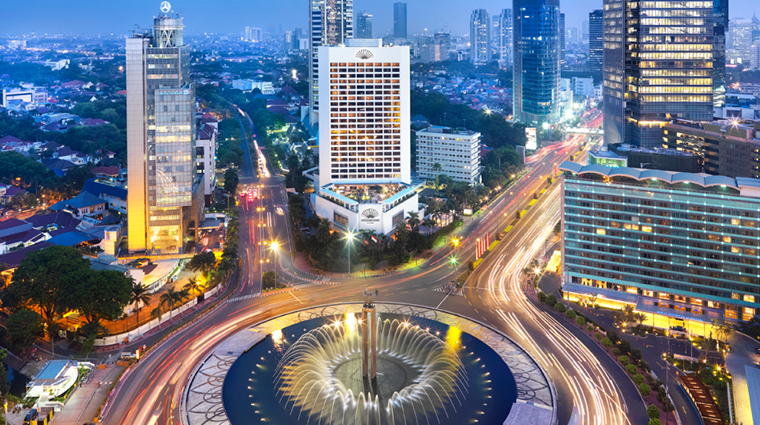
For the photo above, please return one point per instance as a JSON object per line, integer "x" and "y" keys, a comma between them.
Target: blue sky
{"x": 231, "y": 16}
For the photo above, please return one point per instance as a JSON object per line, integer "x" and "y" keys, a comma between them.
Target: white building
{"x": 754, "y": 57}
{"x": 457, "y": 151}
{"x": 266, "y": 87}
{"x": 364, "y": 177}
{"x": 205, "y": 151}
{"x": 582, "y": 86}
{"x": 55, "y": 378}
{"x": 36, "y": 96}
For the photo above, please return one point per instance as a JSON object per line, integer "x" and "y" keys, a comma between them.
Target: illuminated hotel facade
{"x": 659, "y": 64}
{"x": 163, "y": 186}
{"x": 676, "y": 244}
{"x": 364, "y": 176}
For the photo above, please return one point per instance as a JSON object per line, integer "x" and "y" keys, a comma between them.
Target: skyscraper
{"x": 164, "y": 190}
{"x": 363, "y": 25}
{"x": 504, "y": 38}
{"x": 660, "y": 72}
{"x": 399, "y": 20}
{"x": 536, "y": 61}
{"x": 331, "y": 22}
{"x": 595, "y": 41}
{"x": 562, "y": 36}
{"x": 364, "y": 173}
{"x": 480, "y": 37}
{"x": 720, "y": 30}
{"x": 584, "y": 31}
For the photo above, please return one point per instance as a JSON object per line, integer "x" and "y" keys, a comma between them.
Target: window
{"x": 601, "y": 232}
{"x": 647, "y": 229}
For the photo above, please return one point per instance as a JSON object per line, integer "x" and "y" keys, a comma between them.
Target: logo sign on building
{"x": 530, "y": 134}
{"x": 370, "y": 216}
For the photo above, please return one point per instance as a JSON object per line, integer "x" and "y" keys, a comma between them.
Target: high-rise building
{"x": 741, "y": 40}
{"x": 536, "y": 61}
{"x": 480, "y": 37}
{"x": 504, "y": 38}
{"x": 457, "y": 152}
{"x": 444, "y": 40}
{"x": 754, "y": 56}
{"x": 562, "y": 36}
{"x": 668, "y": 243}
{"x": 661, "y": 72}
{"x": 720, "y": 29}
{"x": 364, "y": 177}
{"x": 595, "y": 41}
{"x": 584, "y": 31}
{"x": 331, "y": 23}
{"x": 363, "y": 26}
{"x": 165, "y": 195}
{"x": 399, "y": 20}
{"x": 252, "y": 34}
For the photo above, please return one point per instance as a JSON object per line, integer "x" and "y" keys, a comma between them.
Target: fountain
{"x": 369, "y": 368}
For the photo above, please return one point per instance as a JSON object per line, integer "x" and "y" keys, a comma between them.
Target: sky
{"x": 231, "y": 16}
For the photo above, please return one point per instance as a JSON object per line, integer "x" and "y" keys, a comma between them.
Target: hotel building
{"x": 680, "y": 245}
{"x": 457, "y": 151}
{"x": 364, "y": 180}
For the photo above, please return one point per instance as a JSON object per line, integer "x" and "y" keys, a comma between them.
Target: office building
{"x": 673, "y": 244}
{"x": 595, "y": 41}
{"x": 205, "y": 158}
{"x": 741, "y": 40}
{"x": 399, "y": 20}
{"x": 331, "y": 23}
{"x": 480, "y": 37}
{"x": 33, "y": 95}
{"x": 253, "y": 34}
{"x": 363, "y": 26}
{"x": 658, "y": 158}
{"x": 457, "y": 152}
{"x": 504, "y": 38}
{"x": 247, "y": 85}
{"x": 364, "y": 179}
{"x": 165, "y": 197}
{"x": 661, "y": 72}
{"x": 444, "y": 40}
{"x": 726, "y": 148}
{"x": 720, "y": 29}
{"x": 754, "y": 57}
{"x": 536, "y": 61}
{"x": 585, "y": 31}
{"x": 562, "y": 36}
{"x": 582, "y": 86}
{"x": 606, "y": 157}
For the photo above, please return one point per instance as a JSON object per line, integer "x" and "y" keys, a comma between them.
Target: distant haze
{"x": 231, "y": 16}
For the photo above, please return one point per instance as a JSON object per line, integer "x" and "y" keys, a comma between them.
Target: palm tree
{"x": 429, "y": 223}
{"x": 139, "y": 295}
{"x": 156, "y": 314}
{"x": 413, "y": 220}
{"x": 193, "y": 286}
{"x": 171, "y": 298}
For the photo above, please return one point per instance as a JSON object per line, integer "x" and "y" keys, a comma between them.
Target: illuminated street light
{"x": 349, "y": 241}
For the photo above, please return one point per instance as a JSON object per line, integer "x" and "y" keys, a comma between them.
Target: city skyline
{"x": 53, "y": 17}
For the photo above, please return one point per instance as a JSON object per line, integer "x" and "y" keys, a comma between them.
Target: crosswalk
{"x": 457, "y": 292}
{"x": 243, "y": 297}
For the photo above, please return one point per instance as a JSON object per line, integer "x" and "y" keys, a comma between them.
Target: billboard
{"x": 530, "y": 134}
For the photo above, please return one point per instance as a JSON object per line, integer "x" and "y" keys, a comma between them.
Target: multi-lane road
{"x": 591, "y": 389}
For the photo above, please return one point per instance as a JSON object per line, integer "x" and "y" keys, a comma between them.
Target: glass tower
{"x": 399, "y": 20}
{"x": 536, "y": 61}
{"x": 596, "y": 41}
{"x": 480, "y": 37}
{"x": 504, "y": 38}
{"x": 364, "y": 25}
{"x": 662, "y": 70}
{"x": 160, "y": 138}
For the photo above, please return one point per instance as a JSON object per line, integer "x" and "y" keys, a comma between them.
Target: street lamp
{"x": 274, "y": 246}
{"x": 349, "y": 240}
{"x": 453, "y": 265}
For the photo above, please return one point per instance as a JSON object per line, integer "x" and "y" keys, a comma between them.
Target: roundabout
{"x": 337, "y": 364}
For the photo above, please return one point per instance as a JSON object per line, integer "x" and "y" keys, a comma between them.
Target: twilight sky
{"x": 231, "y": 16}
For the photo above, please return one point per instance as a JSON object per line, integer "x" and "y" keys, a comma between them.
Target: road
{"x": 150, "y": 392}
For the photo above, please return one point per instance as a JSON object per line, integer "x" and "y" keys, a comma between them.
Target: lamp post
{"x": 275, "y": 246}
{"x": 349, "y": 241}
{"x": 453, "y": 265}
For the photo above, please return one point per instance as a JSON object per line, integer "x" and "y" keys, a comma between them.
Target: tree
{"x": 156, "y": 313}
{"x": 722, "y": 329}
{"x": 269, "y": 280}
{"x": 45, "y": 279}
{"x": 139, "y": 296}
{"x": 655, "y": 422}
{"x": 24, "y": 326}
{"x": 171, "y": 298}
{"x": 193, "y": 286}
{"x": 571, "y": 314}
{"x": 231, "y": 181}
{"x": 559, "y": 307}
{"x": 639, "y": 318}
{"x": 606, "y": 342}
{"x": 653, "y": 412}
{"x": 437, "y": 170}
{"x": 580, "y": 320}
{"x": 413, "y": 220}
{"x": 101, "y": 295}
{"x": 644, "y": 389}
{"x": 542, "y": 297}
{"x": 203, "y": 262}
{"x": 624, "y": 360}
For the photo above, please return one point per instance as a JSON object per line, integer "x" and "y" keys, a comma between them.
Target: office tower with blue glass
{"x": 536, "y": 35}
{"x": 672, "y": 244}
{"x": 595, "y": 41}
{"x": 504, "y": 38}
{"x": 480, "y": 37}
{"x": 399, "y": 20}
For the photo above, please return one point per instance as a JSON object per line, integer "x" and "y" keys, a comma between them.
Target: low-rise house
{"x": 109, "y": 191}
{"x": 84, "y": 204}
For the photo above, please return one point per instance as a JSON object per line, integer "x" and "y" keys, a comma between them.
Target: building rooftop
{"x": 448, "y": 130}
{"x": 84, "y": 199}
{"x": 53, "y": 369}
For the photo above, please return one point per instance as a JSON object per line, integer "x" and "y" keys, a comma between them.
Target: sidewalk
{"x": 736, "y": 363}
{"x": 83, "y": 404}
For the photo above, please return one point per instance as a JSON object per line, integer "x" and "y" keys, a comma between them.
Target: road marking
{"x": 444, "y": 299}
{"x": 684, "y": 410}
{"x": 295, "y": 297}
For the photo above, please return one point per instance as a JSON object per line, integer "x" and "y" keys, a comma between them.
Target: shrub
{"x": 598, "y": 335}
{"x": 653, "y": 412}
{"x": 625, "y": 346}
{"x": 560, "y": 307}
{"x": 613, "y": 336}
{"x": 644, "y": 365}
{"x": 571, "y": 314}
{"x": 580, "y": 320}
{"x": 590, "y": 328}
{"x": 655, "y": 422}
{"x": 636, "y": 354}
{"x": 644, "y": 389}
{"x": 541, "y": 297}
{"x": 632, "y": 370}
{"x": 661, "y": 394}
{"x": 616, "y": 352}
{"x": 606, "y": 342}
{"x": 638, "y": 379}
{"x": 551, "y": 299}
{"x": 624, "y": 360}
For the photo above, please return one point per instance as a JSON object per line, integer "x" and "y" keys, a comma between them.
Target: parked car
{"x": 678, "y": 328}
{"x": 30, "y": 416}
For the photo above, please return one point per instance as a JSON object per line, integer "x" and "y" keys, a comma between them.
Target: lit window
{"x": 600, "y": 232}
{"x": 735, "y": 221}
{"x": 647, "y": 229}
{"x": 749, "y": 298}
{"x": 727, "y": 239}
